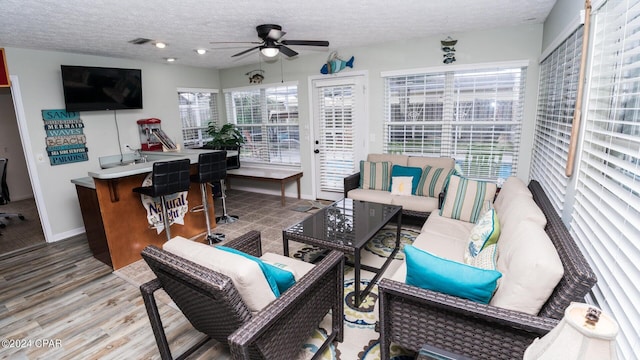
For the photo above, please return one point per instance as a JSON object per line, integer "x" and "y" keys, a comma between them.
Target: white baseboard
{"x": 67, "y": 234}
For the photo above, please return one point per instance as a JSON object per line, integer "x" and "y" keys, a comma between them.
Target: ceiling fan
{"x": 271, "y": 44}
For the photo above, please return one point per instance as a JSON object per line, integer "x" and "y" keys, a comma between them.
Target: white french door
{"x": 340, "y": 130}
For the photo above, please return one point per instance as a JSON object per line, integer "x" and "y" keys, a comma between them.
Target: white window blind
{"x": 337, "y": 159}
{"x": 559, "y": 74}
{"x": 198, "y": 107}
{"x": 606, "y": 217}
{"x": 474, "y": 116}
{"x": 268, "y": 120}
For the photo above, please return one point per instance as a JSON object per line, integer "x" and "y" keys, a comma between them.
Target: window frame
{"x": 281, "y": 144}
{"x": 201, "y": 129}
{"x": 444, "y": 136}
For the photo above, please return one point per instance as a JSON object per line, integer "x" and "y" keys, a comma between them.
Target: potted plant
{"x": 226, "y": 137}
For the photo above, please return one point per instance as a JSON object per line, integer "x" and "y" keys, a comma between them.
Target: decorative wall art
{"x": 335, "y": 64}
{"x": 66, "y": 142}
{"x": 447, "y": 46}
{"x": 255, "y": 76}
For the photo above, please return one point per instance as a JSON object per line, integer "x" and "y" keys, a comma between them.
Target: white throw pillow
{"x": 245, "y": 274}
{"x": 401, "y": 185}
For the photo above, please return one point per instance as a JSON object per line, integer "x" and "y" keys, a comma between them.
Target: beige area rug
{"x": 360, "y": 338}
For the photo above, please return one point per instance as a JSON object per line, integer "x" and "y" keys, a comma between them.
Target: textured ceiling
{"x": 104, "y": 27}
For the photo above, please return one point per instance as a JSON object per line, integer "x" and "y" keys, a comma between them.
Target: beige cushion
{"x": 520, "y": 207}
{"x": 297, "y": 267}
{"x": 415, "y": 203}
{"x": 436, "y": 162}
{"x": 512, "y": 186}
{"x": 395, "y": 159}
{"x": 530, "y": 266}
{"x": 378, "y": 196}
{"x": 245, "y": 274}
{"x": 466, "y": 199}
{"x": 441, "y": 244}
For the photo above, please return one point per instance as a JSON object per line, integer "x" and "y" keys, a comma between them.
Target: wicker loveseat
{"x": 415, "y": 205}
{"x": 214, "y": 306}
{"x": 412, "y": 317}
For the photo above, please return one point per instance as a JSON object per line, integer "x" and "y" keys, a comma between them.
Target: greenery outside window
{"x": 472, "y": 115}
{"x": 198, "y": 107}
{"x": 267, "y": 117}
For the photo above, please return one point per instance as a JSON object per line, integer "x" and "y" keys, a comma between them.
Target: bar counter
{"x": 115, "y": 219}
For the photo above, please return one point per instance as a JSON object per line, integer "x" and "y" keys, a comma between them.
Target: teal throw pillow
{"x": 279, "y": 280}
{"x": 414, "y": 172}
{"x": 431, "y": 272}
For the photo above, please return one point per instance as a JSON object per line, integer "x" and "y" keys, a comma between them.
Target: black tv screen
{"x": 98, "y": 88}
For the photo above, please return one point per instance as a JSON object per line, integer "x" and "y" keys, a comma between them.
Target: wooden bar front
{"x": 125, "y": 219}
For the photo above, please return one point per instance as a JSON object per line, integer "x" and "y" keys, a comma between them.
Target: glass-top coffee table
{"x": 347, "y": 225}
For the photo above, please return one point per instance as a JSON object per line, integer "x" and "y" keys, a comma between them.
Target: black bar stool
{"x": 210, "y": 166}
{"x": 169, "y": 177}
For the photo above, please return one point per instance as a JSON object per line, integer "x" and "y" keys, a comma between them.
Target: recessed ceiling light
{"x": 160, "y": 45}
{"x": 171, "y": 59}
{"x": 201, "y": 51}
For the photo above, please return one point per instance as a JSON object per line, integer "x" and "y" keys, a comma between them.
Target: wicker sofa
{"x": 412, "y": 317}
{"x": 412, "y": 205}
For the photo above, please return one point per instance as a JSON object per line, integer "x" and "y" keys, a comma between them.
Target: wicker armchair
{"x": 212, "y": 304}
{"x": 411, "y": 317}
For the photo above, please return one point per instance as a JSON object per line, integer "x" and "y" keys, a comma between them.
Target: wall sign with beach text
{"x": 66, "y": 142}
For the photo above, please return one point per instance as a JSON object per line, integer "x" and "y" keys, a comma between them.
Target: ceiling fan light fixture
{"x": 160, "y": 45}
{"x": 269, "y": 51}
{"x": 201, "y": 51}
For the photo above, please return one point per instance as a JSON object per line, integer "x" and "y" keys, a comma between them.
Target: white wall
{"x": 11, "y": 148}
{"x": 504, "y": 44}
{"x": 562, "y": 14}
{"x": 38, "y": 74}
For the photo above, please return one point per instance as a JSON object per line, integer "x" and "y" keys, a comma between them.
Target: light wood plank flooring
{"x": 59, "y": 292}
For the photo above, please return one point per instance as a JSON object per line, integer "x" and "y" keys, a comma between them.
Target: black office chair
{"x": 169, "y": 177}
{"x": 210, "y": 166}
{"x": 4, "y": 194}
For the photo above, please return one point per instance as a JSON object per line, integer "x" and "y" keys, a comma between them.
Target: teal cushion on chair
{"x": 279, "y": 280}
{"x": 431, "y": 272}
{"x": 414, "y": 172}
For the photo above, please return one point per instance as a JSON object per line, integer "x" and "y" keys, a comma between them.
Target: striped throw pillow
{"x": 375, "y": 175}
{"x": 465, "y": 198}
{"x": 433, "y": 181}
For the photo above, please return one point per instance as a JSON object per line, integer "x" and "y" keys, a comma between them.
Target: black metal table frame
{"x": 359, "y": 296}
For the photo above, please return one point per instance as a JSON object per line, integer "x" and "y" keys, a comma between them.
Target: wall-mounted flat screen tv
{"x": 98, "y": 88}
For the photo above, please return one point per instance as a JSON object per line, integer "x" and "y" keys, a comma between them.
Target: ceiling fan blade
{"x": 305, "y": 42}
{"x": 235, "y": 42}
{"x": 275, "y": 34}
{"x": 246, "y": 51}
{"x": 287, "y": 51}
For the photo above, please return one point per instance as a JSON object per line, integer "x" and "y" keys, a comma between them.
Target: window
{"x": 198, "y": 107}
{"x": 268, "y": 119}
{"x": 559, "y": 73}
{"x": 474, "y": 116}
{"x": 606, "y": 215}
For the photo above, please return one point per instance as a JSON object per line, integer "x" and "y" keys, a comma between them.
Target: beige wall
{"x": 38, "y": 74}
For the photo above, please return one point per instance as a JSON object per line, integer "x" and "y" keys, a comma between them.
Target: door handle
{"x": 316, "y": 151}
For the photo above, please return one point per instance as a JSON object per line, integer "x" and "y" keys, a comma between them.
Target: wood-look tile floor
{"x": 58, "y": 302}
